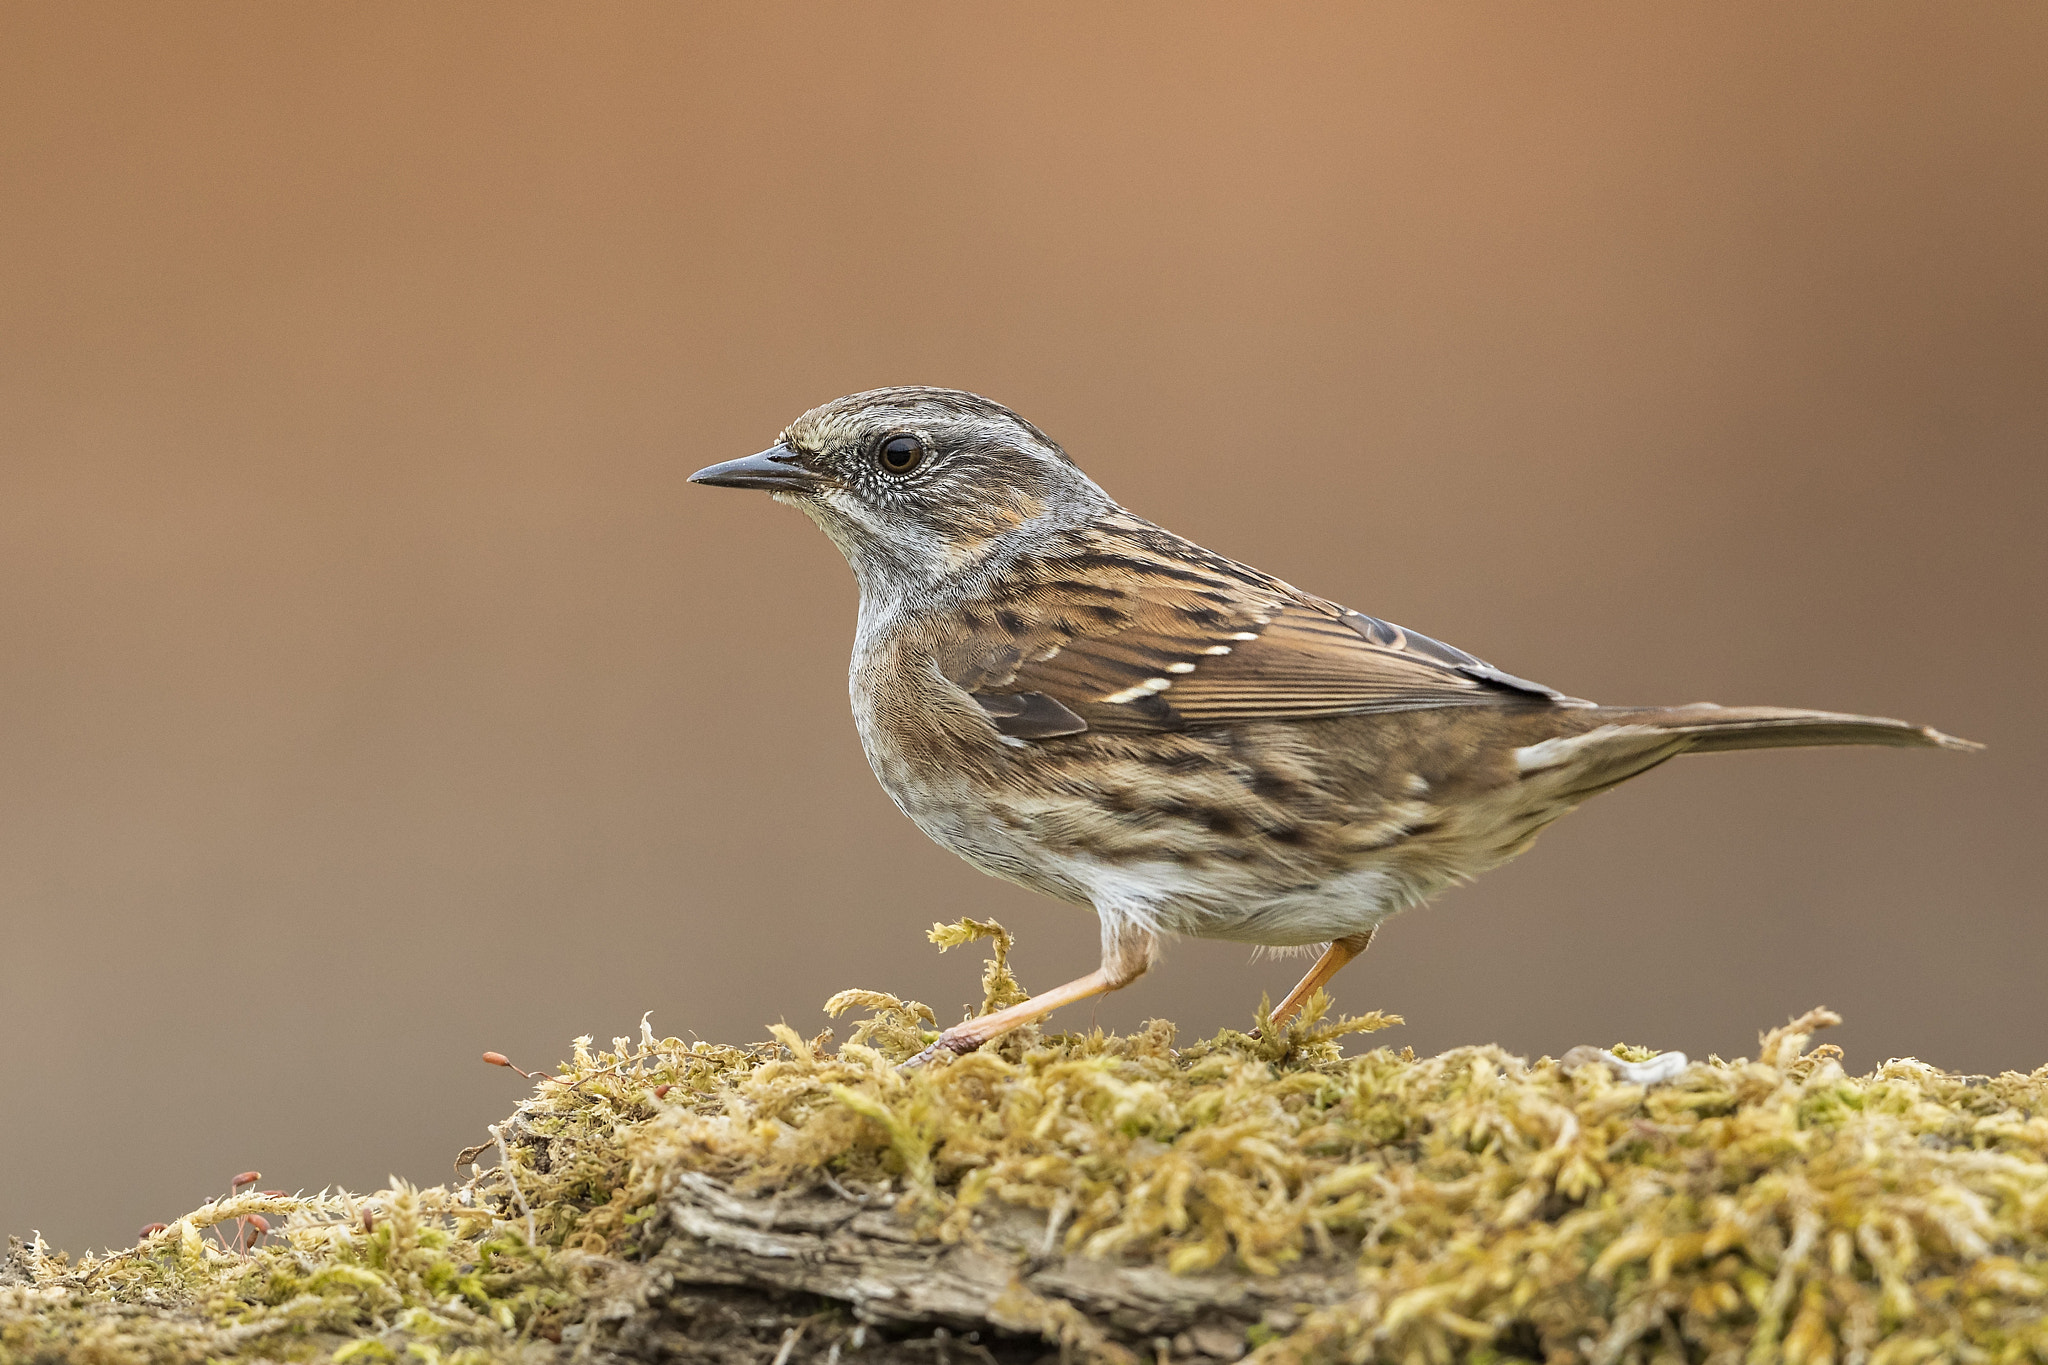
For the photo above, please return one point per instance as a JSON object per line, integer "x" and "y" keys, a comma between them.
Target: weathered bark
{"x": 1005, "y": 1292}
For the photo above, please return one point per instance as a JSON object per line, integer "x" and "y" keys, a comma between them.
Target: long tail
{"x": 1620, "y": 742}
{"x": 1713, "y": 729}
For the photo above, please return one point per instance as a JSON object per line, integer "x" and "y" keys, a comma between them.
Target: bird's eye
{"x": 901, "y": 453}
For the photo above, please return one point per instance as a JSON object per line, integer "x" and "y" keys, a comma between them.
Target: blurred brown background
{"x": 373, "y": 691}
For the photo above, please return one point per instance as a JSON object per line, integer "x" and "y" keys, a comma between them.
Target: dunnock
{"x": 1074, "y": 699}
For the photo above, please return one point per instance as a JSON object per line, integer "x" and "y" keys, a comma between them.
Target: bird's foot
{"x": 951, "y": 1043}
{"x": 1665, "y": 1066}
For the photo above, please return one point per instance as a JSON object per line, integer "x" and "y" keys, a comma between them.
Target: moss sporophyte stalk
{"x": 1468, "y": 1206}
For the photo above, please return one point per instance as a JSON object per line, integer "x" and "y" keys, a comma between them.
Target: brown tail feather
{"x": 1714, "y": 729}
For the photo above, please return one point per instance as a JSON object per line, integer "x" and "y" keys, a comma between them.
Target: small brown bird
{"x": 1074, "y": 699}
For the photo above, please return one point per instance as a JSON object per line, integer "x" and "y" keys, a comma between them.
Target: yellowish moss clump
{"x": 1488, "y": 1206}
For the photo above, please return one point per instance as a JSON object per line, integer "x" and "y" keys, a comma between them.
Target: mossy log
{"x": 1258, "y": 1194}
{"x": 1010, "y": 1290}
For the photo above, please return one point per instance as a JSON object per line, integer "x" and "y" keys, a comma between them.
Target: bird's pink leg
{"x": 1126, "y": 956}
{"x": 1328, "y": 965}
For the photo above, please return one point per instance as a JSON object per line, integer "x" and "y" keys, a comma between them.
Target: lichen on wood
{"x": 1129, "y": 1198}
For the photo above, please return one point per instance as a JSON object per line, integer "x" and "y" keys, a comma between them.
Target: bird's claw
{"x": 945, "y": 1044}
{"x": 919, "y": 1060}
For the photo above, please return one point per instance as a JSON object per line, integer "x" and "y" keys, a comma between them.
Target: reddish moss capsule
{"x": 151, "y": 1230}
{"x": 497, "y": 1059}
{"x": 247, "y": 1178}
{"x": 660, "y": 1091}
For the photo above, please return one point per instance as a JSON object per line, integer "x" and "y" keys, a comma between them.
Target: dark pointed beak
{"x": 777, "y": 469}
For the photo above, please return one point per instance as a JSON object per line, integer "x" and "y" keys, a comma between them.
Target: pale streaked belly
{"x": 1246, "y": 902}
{"x": 1178, "y": 879}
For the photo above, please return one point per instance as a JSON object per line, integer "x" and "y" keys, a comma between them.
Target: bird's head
{"x": 915, "y": 485}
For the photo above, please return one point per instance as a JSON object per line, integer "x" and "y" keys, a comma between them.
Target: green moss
{"x": 1775, "y": 1209}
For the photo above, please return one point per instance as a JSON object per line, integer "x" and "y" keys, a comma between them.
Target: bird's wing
{"x": 1142, "y": 641}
